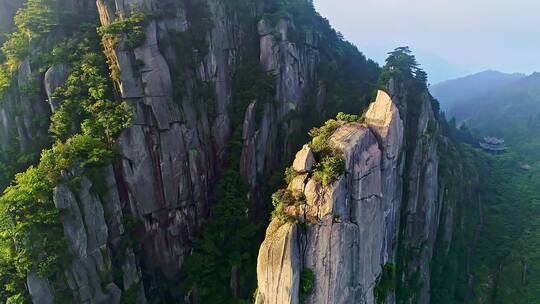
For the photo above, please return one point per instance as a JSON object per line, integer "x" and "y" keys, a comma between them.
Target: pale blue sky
{"x": 449, "y": 37}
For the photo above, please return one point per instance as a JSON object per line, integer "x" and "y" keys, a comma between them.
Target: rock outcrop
{"x": 349, "y": 229}
{"x": 39, "y": 289}
{"x": 303, "y": 162}
{"x": 54, "y": 78}
{"x": 92, "y": 227}
{"x": 280, "y": 249}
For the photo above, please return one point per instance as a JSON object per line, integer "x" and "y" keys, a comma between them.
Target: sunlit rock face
{"x": 304, "y": 160}
{"x": 348, "y": 229}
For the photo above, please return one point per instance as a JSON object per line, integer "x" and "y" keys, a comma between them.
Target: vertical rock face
{"x": 173, "y": 152}
{"x": 169, "y": 155}
{"x": 39, "y": 289}
{"x": 421, "y": 210}
{"x": 29, "y": 108}
{"x": 386, "y": 124}
{"x": 280, "y": 249}
{"x": 349, "y": 227}
{"x": 90, "y": 231}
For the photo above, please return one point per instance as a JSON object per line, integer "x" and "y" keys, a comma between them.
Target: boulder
{"x": 383, "y": 119}
{"x": 304, "y": 160}
{"x": 55, "y": 77}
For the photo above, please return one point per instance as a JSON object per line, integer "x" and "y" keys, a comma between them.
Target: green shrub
{"x": 320, "y": 136}
{"x": 348, "y": 117}
{"x": 279, "y": 213}
{"x": 30, "y": 229}
{"x": 133, "y": 27}
{"x": 329, "y": 169}
{"x": 330, "y": 163}
{"x": 16, "y": 299}
{"x": 386, "y": 283}
{"x": 290, "y": 174}
{"x": 88, "y": 105}
{"x": 5, "y": 79}
{"x": 33, "y": 23}
{"x": 283, "y": 197}
{"x": 306, "y": 284}
{"x": 84, "y": 151}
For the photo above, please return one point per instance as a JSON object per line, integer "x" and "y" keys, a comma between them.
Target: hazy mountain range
{"x": 488, "y": 99}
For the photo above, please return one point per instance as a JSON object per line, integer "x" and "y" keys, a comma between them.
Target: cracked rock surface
{"x": 350, "y": 225}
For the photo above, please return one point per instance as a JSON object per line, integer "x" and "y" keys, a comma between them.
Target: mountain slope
{"x": 511, "y": 111}
{"x": 505, "y": 263}
{"x": 459, "y": 91}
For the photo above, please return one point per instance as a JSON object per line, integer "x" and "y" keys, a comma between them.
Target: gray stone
{"x": 55, "y": 78}
{"x": 277, "y": 267}
{"x": 39, "y": 288}
{"x": 304, "y": 160}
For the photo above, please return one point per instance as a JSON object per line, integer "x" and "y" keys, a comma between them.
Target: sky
{"x": 450, "y": 38}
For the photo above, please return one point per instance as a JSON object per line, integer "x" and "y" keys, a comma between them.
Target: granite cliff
{"x": 145, "y": 115}
{"x": 346, "y": 233}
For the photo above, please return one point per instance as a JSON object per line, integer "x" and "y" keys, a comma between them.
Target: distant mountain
{"x": 458, "y": 91}
{"x": 506, "y": 106}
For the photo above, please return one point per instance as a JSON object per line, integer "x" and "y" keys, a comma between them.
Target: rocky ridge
{"x": 348, "y": 234}
{"x": 345, "y": 232}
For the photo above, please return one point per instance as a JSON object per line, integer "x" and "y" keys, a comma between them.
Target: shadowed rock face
{"x": 170, "y": 157}
{"x": 350, "y": 226}
{"x": 8, "y": 8}
{"x": 39, "y": 289}
{"x": 173, "y": 152}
